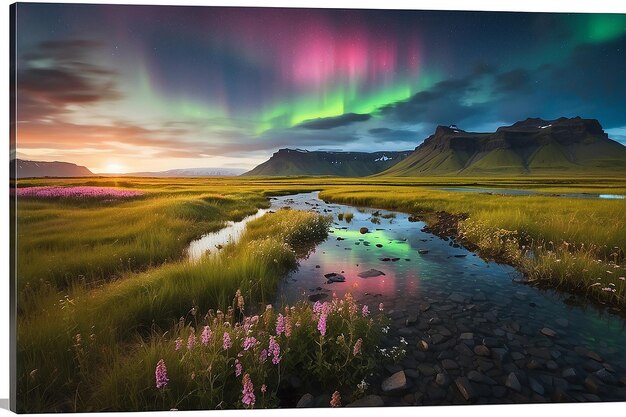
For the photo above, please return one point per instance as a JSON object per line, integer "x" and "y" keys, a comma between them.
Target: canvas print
{"x": 244, "y": 208}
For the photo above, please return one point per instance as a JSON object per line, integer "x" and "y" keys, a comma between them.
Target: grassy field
{"x": 99, "y": 281}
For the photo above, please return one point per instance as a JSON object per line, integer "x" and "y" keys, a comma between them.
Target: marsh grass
{"x": 51, "y": 370}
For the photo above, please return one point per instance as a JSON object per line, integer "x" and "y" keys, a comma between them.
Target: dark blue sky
{"x": 127, "y": 88}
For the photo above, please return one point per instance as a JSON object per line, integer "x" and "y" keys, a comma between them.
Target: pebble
{"x": 546, "y": 331}
{"x": 569, "y": 374}
{"x": 536, "y": 386}
{"x": 395, "y": 382}
{"x": 442, "y": 379}
{"x": 449, "y": 364}
{"x": 513, "y": 383}
{"x": 482, "y": 350}
{"x": 306, "y": 401}
{"x": 422, "y": 345}
{"x": 465, "y": 388}
{"x": 466, "y": 336}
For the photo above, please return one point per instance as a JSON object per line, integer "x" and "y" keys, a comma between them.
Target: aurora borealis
{"x": 132, "y": 88}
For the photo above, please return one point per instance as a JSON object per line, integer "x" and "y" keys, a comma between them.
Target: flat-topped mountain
{"x": 342, "y": 164}
{"x": 38, "y": 169}
{"x": 532, "y": 146}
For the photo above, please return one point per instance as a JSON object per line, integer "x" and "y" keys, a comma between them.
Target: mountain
{"x": 342, "y": 164}
{"x": 37, "y": 169}
{"x": 189, "y": 172}
{"x": 532, "y": 146}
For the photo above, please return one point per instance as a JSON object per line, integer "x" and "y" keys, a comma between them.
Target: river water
{"x": 484, "y": 331}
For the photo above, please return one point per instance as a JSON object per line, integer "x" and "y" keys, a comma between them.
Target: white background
{"x": 607, "y": 6}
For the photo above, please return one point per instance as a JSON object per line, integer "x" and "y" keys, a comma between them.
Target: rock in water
{"x": 422, "y": 251}
{"x": 546, "y": 331}
{"x": 317, "y": 297}
{"x": 334, "y": 277}
{"x": 306, "y": 401}
{"x": 367, "y": 401}
{"x": 363, "y": 230}
{"x": 395, "y": 382}
{"x": 371, "y": 273}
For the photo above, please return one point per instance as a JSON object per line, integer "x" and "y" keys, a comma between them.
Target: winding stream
{"x": 499, "y": 340}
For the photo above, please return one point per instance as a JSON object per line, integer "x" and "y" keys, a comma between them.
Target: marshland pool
{"x": 490, "y": 338}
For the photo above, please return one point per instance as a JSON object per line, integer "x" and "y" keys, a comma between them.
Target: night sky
{"x": 134, "y": 88}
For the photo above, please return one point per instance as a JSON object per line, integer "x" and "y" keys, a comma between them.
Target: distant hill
{"x": 342, "y": 164}
{"x": 38, "y": 169}
{"x": 532, "y": 146}
{"x": 189, "y": 172}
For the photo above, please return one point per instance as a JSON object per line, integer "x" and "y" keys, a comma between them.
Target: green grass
{"x": 116, "y": 274}
{"x": 50, "y": 371}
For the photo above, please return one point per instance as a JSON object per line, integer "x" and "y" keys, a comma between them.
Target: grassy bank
{"x": 61, "y": 346}
{"x": 577, "y": 244}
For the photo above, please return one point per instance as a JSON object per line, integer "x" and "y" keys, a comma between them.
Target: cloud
{"x": 58, "y": 74}
{"x": 512, "y": 81}
{"x": 333, "y": 122}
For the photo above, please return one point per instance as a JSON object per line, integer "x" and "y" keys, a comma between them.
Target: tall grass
{"x": 51, "y": 370}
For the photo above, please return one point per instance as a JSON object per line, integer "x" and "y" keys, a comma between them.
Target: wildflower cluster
{"x": 76, "y": 192}
{"x": 244, "y": 365}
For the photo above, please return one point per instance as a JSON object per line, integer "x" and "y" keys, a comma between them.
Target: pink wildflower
{"x": 263, "y": 388}
{"x": 274, "y": 350}
{"x": 179, "y": 344}
{"x": 249, "y": 342}
{"x": 280, "y": 324}
{"x": 357, "y": 347}
{"x": 321, "y": 325}
{"x": 191, "y": 341}
{"x": 248, "y": 392}
{"x": 206, "y": 335}
{"x": 263, "y": 355}
{"x": 335, "y": 401}
{"x": 227, "y": 342}
{"x": 161, "y": 374}
{"x": 238, "y": 368}
{"x": 317, "y": 307}
{"x": 365, "y": 311}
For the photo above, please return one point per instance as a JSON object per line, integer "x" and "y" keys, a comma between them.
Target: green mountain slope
{"x": 532, "y": 146}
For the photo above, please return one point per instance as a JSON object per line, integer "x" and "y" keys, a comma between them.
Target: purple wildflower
{"x": 321, "y": 325}
{"x": 238, "y": 368}
{"x": 274, "y": 350}
{"x": 248, "y": 391}
{"x": 179, "y": 344}
{"x": 263, "y": 355}
{"x": 191, "y": 341}
{"x": 317, "y": 307}
{"x": 280, "y": 325}
{"x": 227, "y": 342}
{"x": 206, "y": 335}
{"x": 161, "y": 374}
{"x": 365, "y": 311}
{"x": 249, "y": 342}
{"x": 76, "y": 192}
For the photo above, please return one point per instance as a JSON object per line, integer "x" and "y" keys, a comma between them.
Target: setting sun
{"x": 114, "y": 168}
